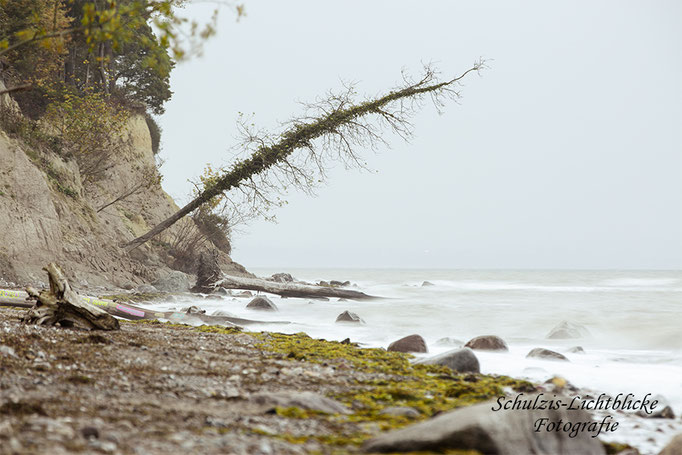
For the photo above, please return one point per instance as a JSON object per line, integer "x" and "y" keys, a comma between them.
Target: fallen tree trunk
{"x": 289, "y": 289}
{"x": 19, "y": 299}
{"x": 61, "y": 305}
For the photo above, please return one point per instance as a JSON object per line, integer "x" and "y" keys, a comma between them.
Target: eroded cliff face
{"x": 48, "y": 214}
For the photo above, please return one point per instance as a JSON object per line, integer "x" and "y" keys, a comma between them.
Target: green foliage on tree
{"x": 122, "y": 48}
{"x": 89, "y": 129}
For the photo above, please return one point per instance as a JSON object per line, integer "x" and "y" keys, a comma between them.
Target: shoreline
{"x": 313, "y": 359}
{"x": 161, "y": 388}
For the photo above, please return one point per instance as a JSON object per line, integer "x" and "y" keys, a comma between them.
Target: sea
{"x": 634, "y": 319}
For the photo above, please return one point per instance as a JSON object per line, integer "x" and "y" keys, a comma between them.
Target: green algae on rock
{"x": 388, "y": 379}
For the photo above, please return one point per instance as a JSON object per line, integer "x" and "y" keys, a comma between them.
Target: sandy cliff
{"x": 48, "y": 214}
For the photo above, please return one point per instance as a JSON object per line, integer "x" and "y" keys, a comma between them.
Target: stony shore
{"x": 155, "y": 387}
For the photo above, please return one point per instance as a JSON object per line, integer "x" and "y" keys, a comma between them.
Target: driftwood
{"x": 62, "y": 305}
{"x": 19, "y": 299}
{"x": 289, "y": 289}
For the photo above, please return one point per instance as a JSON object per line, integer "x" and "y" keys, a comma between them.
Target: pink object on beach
{"x": 131, "y": 311}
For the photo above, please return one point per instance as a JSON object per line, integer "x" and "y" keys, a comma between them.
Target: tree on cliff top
{"x": 124, "y": 48}
{"x": 331, "y": 129}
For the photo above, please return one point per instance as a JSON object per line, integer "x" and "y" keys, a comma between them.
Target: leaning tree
{"x": 332, "y": 128}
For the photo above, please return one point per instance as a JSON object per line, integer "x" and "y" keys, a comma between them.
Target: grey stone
{"x": 541, "y": 353}
{"x": 663, "y": 409}
{"x": 146, "y": 289}
{"x": 303, "y": 400}
{"x": 503, "y": 432}
{"x": 576, "y": 350}
{"x": 282, "y": 278}
{"x": 221, "y": 291}
{"x": 460, "y": 360}
{"x": 427, "y": 283}
{"x": 193, "y": 310}
{"x": 90, "y": 432}
{"x": 175, "y": 281}
{"x": 8, "y": 351}
{"x": 411, "y": 343}
{"x": 567, "y": 329}
{"x": 674, "y": 447}
{"x": 349, "y": 317}
{"x": 261, "y": 303}
{"x": 399, "y": 411}
{"x": 487, "y": 343}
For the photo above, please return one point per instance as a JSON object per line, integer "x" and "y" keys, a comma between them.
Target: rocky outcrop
{"x": 541, "y": 353}
{"x": 487, "y": 343}
{"x": 481, "y": 429}
{"x": 458, "y": 360}
{"x": 411, "y": 343}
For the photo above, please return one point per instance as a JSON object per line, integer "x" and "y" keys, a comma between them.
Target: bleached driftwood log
{"x": 288, "y": 289}
{"x": 60, "y": 304}
{"x": 21, "y": 299}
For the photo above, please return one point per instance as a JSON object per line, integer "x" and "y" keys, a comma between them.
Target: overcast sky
{"x": 566, "y": 153}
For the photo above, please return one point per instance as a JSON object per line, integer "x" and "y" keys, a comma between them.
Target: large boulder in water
{"x": 503, "y": 432}
{"x": 411, "y": 343}
{"x": 541, "y": 353}
{"x": 459, "y": 360}
{"x": 487, "y": 343}
{"x": 567, "y": 329}
{"x": 261, "y": 303}
{"x": 349, "y": 317}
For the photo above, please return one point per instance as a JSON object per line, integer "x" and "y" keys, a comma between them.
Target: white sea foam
{"x": 634, "y": 319}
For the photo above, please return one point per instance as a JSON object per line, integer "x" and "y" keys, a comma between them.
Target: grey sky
{"x": 566, "y": 153}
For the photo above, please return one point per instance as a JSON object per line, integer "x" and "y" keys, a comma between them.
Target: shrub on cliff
{"x": 89, "y": 128}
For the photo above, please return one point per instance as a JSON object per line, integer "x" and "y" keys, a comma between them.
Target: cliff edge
{"x": 48, "y": 214}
